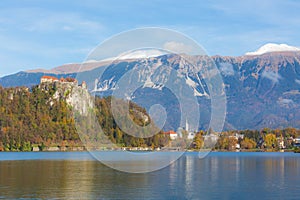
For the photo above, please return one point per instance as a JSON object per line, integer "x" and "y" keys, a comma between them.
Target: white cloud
{"x": 297, "y": 81}
{"x": 178, "y": 47}
{"x": 273, "y": 47}
{"x": 273, "y": 76}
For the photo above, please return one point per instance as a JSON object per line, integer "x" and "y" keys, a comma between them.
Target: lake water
{"x": 76, "y": 175}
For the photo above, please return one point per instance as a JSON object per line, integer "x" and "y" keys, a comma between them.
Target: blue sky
{"x": 46, "y": 34}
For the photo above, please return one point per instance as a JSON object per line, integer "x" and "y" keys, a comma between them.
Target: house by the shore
{"x": 173, "y": 135}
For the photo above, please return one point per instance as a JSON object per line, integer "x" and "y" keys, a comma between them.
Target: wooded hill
{"x": 30, "y": 117}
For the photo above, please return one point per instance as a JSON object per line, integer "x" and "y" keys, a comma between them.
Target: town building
{"x": 48, "y": 79}
{"x": 173, "y": 135}
{"x": 281, "y": 143}
{"x": 297, "y": 142}
{"x": 191, "y": 134}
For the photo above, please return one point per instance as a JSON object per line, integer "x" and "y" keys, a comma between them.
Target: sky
{"x": 45, "y": 34}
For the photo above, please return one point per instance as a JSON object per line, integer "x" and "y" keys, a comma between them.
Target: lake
{"x": 76, "y": 175}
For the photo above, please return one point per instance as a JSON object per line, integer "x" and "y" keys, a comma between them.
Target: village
{"x": 181, "y": 139}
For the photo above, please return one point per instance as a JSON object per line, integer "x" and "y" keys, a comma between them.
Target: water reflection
{"x": 29, "y": 179}
{"x": 214, "y": 170}
{"x": 218, "y": 176}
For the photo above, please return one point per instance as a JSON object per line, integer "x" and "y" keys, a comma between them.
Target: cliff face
{"x": 76, "y": 96}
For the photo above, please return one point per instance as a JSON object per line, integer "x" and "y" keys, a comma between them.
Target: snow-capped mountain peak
{"x": 141, "y": 54}
{"x": 272, "y": 47}
{"x": 137, "y": 54}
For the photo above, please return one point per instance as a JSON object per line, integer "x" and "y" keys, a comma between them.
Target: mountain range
{"x": 262, "y": 87}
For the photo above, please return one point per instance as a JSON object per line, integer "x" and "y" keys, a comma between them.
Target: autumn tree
{"x": 248, "y": 143}
{"x": 198, "y": 141}
{"x": 270, "y": 141}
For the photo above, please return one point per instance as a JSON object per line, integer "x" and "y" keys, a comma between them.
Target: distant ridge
{"x": 92, "y": 64}
{"x": 71, "y": 68}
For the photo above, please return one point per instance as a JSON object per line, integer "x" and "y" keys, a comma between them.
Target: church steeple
{"x": 186, "y": 125}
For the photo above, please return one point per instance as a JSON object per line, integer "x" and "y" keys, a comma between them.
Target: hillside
{"x": 261, "y": 90}
{"x": 42, "y": 117}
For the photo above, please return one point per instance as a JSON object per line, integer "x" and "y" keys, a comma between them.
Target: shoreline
{"x": 187, "y": 151}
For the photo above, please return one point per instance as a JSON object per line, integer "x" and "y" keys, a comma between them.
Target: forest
{"x": 29, "y": 119}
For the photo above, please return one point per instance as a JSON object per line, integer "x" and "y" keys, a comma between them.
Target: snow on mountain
{"x": 92, "y": 64}
{"x": 272, "y": 47}
{"x": 154, "y": 73}
{"x": 142, "y": 54}
{"x": 137, "y": 54}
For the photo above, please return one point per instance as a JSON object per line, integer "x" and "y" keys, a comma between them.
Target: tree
{"x": 270, "y": 141}
{"x": 198, "y": 141}
{"x": 248, "y": 143}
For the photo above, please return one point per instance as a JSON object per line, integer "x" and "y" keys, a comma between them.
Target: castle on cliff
{"x": 52, "y": 79}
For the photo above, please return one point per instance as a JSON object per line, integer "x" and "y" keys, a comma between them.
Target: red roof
{"x": 49, "y": 78}
{"x": 170, "y": 132}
